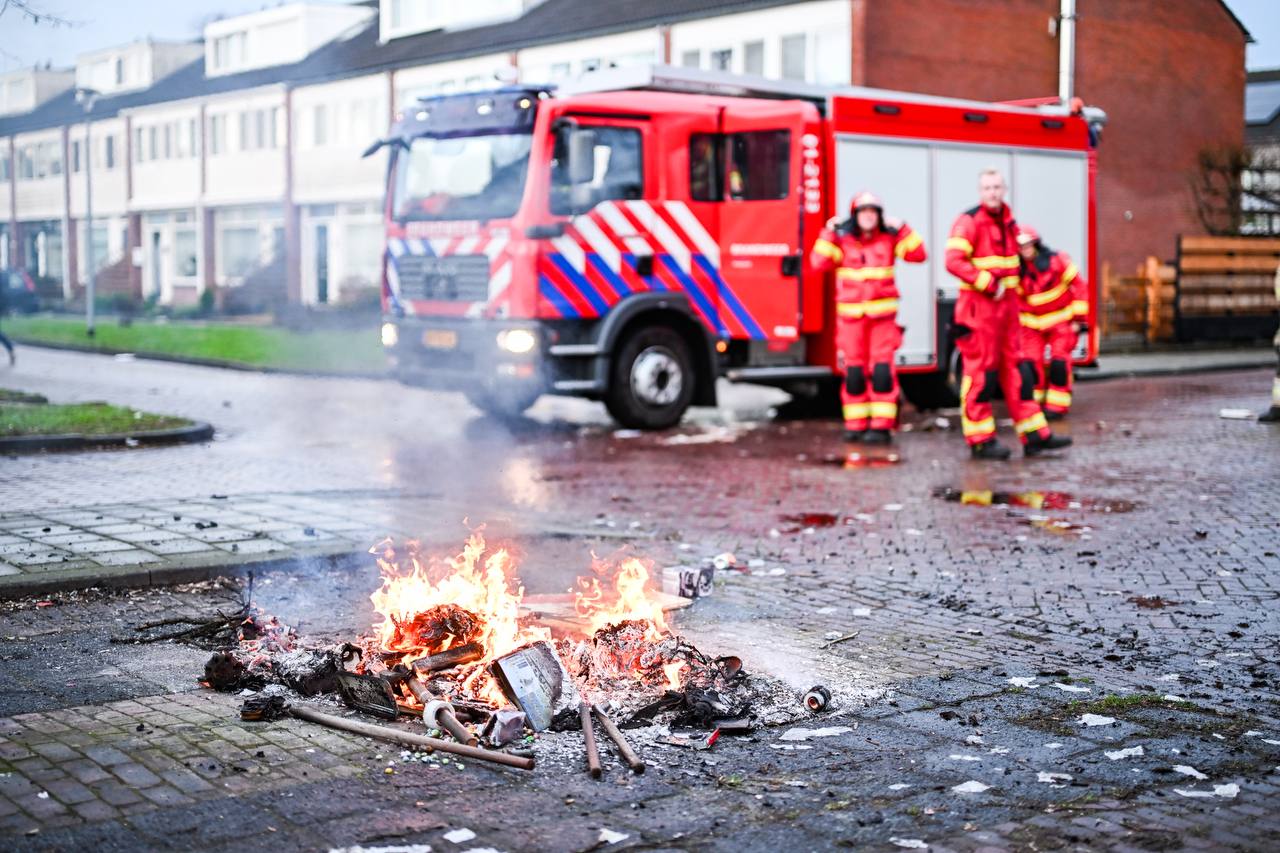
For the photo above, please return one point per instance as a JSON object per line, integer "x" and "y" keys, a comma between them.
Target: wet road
{"x": 1133, "y": 578}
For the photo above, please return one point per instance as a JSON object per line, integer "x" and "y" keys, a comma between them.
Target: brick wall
{"x": 1169, "y": 73}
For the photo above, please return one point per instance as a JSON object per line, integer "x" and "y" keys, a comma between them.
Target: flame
{"x": 479, "y": 581}
{"x": 672, "y": 672}
{"x": 626, "y": 598}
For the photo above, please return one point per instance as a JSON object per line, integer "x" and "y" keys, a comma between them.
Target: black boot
{"x": 1270, "y": 416}
{"x": 1036, "y": 445}
{"x": 1054, "y": 416}
{"x": 990, "y": 449}
{"x": 877, "y": 436}
{"x": 853, "y": 435}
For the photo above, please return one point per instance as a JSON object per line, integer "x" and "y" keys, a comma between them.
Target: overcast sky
{"x": 101, "y": 23}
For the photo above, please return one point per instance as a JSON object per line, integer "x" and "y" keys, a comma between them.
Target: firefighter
{"x": 862, "y": 250}
{"x": 1271, "y": 415}
{"x": 982, "y": 252}
{"x": 1053, "y": 312}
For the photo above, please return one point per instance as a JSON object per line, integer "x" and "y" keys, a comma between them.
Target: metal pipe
{"x": 395, "y": 736}
{"x": 1066, "y": 51}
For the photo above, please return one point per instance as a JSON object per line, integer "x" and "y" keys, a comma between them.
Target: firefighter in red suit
{"x": 982, "y": 252}
{"x": 1053, "y": 310}
{"x": 862, "y": 250}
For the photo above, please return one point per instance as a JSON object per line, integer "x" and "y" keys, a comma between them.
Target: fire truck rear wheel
{"x": 651, "y": 381}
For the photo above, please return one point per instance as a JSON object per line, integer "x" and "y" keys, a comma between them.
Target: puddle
{"x": 1032, "y": 500}
{"x": 857, "y": 459}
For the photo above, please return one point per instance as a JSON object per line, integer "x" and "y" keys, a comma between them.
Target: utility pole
{"x": 86, "y": 99}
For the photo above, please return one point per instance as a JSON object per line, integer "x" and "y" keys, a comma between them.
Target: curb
{"x": 201, "y": 362}
{"x": 138, "y": 576}
{"x": 1087, "y": 375}
{"x": 196, "y": 432}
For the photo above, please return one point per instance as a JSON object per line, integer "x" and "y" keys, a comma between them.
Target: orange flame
{"x": 478, "y": 581}
{"x": 627, "y": 598}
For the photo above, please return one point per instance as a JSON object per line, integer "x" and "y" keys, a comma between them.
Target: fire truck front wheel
{"x": 503, "y": 404}
{"x": 651, "y": 380}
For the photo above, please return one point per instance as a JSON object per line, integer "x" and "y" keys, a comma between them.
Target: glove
{"x": 893, "y": 222}
{"x": 833, "y": 223}
{"x": 1082, "y": 328}
{"x": 999, "y": 291}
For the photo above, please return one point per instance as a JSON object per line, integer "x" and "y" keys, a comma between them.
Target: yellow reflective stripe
{"x": 856, "y": 411}
{"x": 1044, "y": 321}
{"x": 1080, "y": 308}
{"x": 864, "y": 273}
{"x": 986, "y": 426}
{"x": 1056, "y": 397}
{"x": 1048, "y": 296}
{"x": 828, "y": 250}
{"x": 1039, "y": 395}
{"x": 881, "y": 409}
{"x": 983, "y": 281}
{"x": 878, "y": 307}
{"x": 908, "y": 244}
{"x": 849, "y": 309}
{"x": 1035, "y": 423}
{"x": 1069, "y": 275}
{"x": 960, "y": 243}
{"x": 980, "y": 497}
{"x": 995, "y": 262}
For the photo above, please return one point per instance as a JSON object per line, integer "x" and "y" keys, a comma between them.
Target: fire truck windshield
{"x": 462, "y": 177}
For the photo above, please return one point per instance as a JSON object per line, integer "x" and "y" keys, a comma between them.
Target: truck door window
{"x": 619, "y": 173}
{"x": 759, "y": 165}
{"x": 705, "y": 170}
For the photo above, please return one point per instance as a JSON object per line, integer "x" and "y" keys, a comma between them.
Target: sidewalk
{"x": 1173, "y": 362}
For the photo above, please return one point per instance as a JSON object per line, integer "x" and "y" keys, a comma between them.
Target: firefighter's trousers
{"x": 865, "y": 349}
{"x": 1049, "y": 351}
{"x": 988, "y": 335}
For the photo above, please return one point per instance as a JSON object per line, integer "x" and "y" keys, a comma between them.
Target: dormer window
{"x": 228, "y": 51}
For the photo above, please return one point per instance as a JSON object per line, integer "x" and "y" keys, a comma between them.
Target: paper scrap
{"x": 457, "y": 836}
{"x": 973, "y": 786}
{"x": 898, "y": 786}
{"x": 1131, "y": 752}
{"x": 909, "y": 843}
{"x": 1023, "y": 681}
{"x": 1096, "y": 720}
{"x": 805, "y": 734}
{"x": 1188, "y": 770}
{"x": 957, "y": 757}
{"x": 1071, "y": 688}
{"x": 608, "y": 836}
{"x": 1051, "y": 778}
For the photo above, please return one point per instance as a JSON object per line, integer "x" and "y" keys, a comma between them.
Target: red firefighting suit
{"x": 982, "y": 252}
{"x": 867, "y": 330}
{"x": 1051, "y": 300}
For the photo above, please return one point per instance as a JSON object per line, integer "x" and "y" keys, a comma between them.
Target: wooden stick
{"x": 624, "y": 748}
{"x": 407, "y": 738}
{"x": 589, "y": 735}
{"x": 466, "y": 653}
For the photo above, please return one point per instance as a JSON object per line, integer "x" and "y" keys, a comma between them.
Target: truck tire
{"x": 651, "y": 379}
{"x": 504, "y": 406}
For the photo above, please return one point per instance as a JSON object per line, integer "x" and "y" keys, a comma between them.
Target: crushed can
{"x": 689, "y": 581}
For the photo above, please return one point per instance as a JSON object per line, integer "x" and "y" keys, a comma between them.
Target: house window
{"x": 559, "y": 70}
{"x": 137, "y": 145}
{"x": 168, "y": 141}
{"x": 721, "y": 60}
{"x": 753, "y": 57}
{"x": 759, "y": 165}
{"x": 793, "y": 57}
{"x": 184, "y": 252}
{"x": 75, "y": 156}
{"x": 241, "y": 254}
{"x": 217, "y": 134}
{"x": 319, "y": 125}
{"x": 5, "y": 172}
{"x": 228, "y": 51}
{"x": 109, "y": 151}
{"x": 691, "y": 58}
{"x": 153, "y": 139}
{"x": 119, "y": 71}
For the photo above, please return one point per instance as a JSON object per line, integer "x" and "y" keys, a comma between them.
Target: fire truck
{"x": 639, "y": 233}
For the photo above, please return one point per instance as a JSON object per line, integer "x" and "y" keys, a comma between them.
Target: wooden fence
{"x": 1226, "y": 288}
{"x": 1139, "y": 307}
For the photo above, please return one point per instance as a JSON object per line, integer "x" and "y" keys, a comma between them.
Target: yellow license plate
{"x": 440, "y": 339}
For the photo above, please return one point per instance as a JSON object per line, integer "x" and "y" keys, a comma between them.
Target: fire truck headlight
{"x": 517, "y": 341}
{"x": 390, "y": 335}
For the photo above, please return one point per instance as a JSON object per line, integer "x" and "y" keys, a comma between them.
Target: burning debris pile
{"x": 461, "y": 646}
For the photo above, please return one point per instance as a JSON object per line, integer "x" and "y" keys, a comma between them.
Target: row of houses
{"x": 238, "y": 156}
{"x": 234, "y": 160}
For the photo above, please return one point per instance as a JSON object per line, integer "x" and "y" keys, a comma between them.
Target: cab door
{"x": 761, "y": 221}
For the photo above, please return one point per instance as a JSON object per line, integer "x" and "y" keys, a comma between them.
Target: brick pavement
{"x": 993, "y": 629}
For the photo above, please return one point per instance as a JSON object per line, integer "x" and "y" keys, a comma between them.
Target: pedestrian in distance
{"x": 1053, "y": 311}
{"x": 982, "y": 252}
{"x": 1272, "y": 415}
{"x": 863, "y": 250}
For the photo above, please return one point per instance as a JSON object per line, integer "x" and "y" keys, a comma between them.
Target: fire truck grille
{"x": 453, "y": 278}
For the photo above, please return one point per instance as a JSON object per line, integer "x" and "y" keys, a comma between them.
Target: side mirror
{"x": 582, "y": 156}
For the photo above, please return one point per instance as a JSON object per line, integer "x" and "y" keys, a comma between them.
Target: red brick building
{"x": 1169, "y": 73}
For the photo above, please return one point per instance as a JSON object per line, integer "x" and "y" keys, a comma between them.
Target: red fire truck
{"x": 639, "y": 233}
